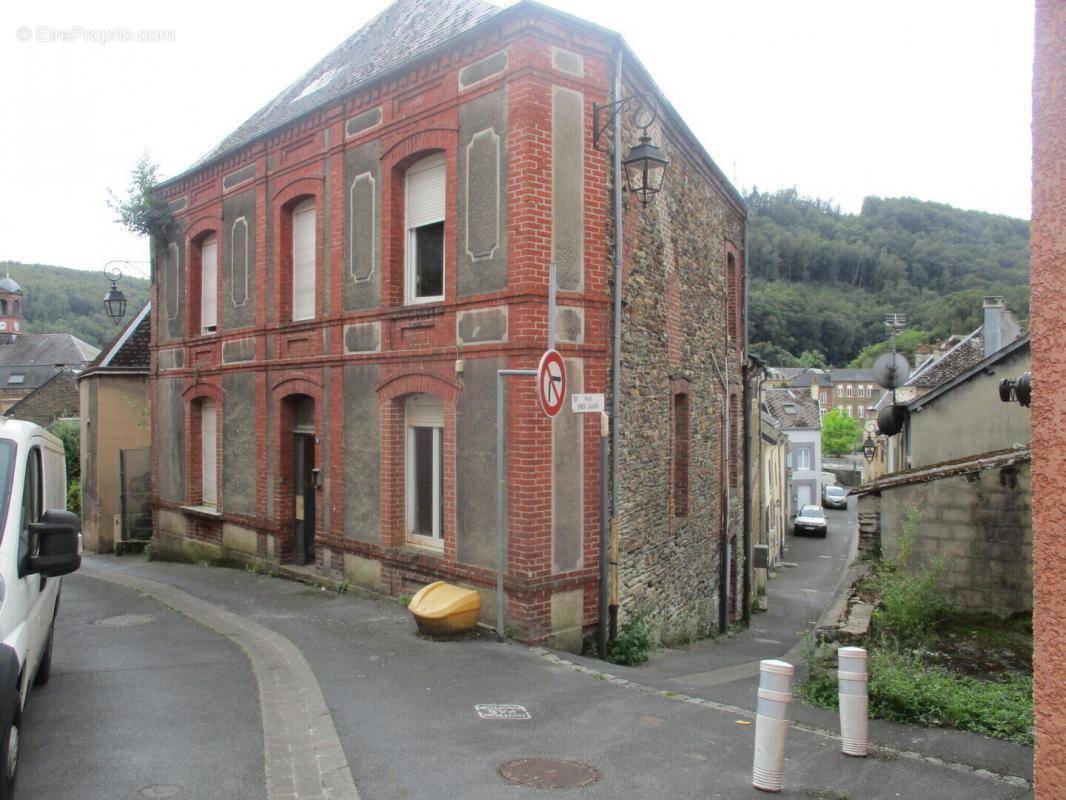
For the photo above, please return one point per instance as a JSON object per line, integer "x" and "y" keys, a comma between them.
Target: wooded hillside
{"x": 59, "y": 300}
{"x": 822, "y": 281}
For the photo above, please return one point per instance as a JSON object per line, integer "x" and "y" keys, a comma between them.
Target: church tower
{"x": 11, "y": 298}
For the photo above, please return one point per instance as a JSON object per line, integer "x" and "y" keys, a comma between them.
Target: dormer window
{"x": 424, "y": 255}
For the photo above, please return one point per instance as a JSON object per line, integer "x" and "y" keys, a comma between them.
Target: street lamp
{"x": 644, "y": 164}
{"x": 114, "y": 300}
{"x": 869, "y": 448}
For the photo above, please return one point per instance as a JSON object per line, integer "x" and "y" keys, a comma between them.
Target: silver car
{"x": 810, "y": 522}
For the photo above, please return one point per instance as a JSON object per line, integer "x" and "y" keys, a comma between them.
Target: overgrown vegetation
{"x": 910, "y": 680}
{"x": 822, "y": 281}
{"x": 68, "y": 433}
{"x": 634, "y": 642}
{"x": 142, "y": 211}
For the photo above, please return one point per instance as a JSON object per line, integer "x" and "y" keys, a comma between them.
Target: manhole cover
{"x": 123, "y": 620}
{"x": 160, "y": 790}
{"x": 549, "y": 773}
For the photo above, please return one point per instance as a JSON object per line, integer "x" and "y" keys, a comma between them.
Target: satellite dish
{"x": 890, "y": 420}
{"x": 891, "y": 370}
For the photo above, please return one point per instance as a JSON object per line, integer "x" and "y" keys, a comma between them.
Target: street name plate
{"x": 502, "y": 711}
{"x": 586, "y": 403}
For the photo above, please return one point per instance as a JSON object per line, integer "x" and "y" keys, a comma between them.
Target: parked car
{"x": 39, "y": 541}
{"x": 811, "y": 521}
{"x": 834, "y": 497}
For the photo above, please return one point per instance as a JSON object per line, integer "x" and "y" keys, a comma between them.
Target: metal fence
{"x": 134, "y": 483}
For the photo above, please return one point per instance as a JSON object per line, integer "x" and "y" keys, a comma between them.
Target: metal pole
{"x": 551, "y": 306}
{"x": 501, "y": 496}
{"x": 616, "y": 363}
{"x": 601, "y": 633}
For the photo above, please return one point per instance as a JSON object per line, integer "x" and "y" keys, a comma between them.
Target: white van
{"x": 40, "y": 541}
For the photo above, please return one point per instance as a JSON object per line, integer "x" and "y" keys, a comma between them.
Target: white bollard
{"x": 771, "y": 724}
{"x": 854, "y": 700}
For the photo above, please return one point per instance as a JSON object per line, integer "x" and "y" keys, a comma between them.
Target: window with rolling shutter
{"x": 425, "y": 197}
{"x": 209, "y": 452}
{"x": 209, "y": 285}
{"x": 303, "y": 260}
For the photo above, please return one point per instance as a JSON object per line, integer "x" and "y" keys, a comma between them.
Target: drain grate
{"x": 549, "y": 773}
{"x": 124, "y": 620}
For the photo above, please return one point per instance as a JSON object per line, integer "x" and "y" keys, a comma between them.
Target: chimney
{"x": 1000, "y": 326}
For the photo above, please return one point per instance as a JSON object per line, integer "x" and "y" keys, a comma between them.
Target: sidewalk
{"x": 404, "y": 711}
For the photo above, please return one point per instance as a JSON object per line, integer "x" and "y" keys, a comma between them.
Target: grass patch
{"x": 634, "y": 642}
{"x": 928, "y": 664}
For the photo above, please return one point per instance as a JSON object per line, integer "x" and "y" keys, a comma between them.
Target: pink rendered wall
{"x": 1048, "y": 246}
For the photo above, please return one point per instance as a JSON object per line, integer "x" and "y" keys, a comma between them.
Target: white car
{"x": 40, "y": 541}
{"x": 811, "y": 521}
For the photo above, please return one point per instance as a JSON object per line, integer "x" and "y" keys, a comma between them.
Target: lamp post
{"x": 114, "y": 300}
{"x": 869, "y": 449}
{"x": 644, "y": 164}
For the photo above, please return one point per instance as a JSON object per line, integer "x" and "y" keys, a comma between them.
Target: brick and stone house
{"x": 55, "y": 399}
{"x": 348, "y": 270}
{"x": 799, "y": 416}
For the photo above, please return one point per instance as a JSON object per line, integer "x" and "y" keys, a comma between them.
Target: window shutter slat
{"x": 208, "y": 438}
{"x": 209, "y": 285}
{"x": 303, "y": 263}
{"x": 425, "y": 192}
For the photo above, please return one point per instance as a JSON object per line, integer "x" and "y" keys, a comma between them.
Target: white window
{"x": 850, "y": 390}
{"x": 303, "y": 260}
{"x": 803, "y": 459}
{"x": 825, "y": 398}
{"x": 209, "y": 452}
{"x": 209, "y": 285}
{"x": 424, "y": 254}
{"x": 425, "y": 470}
{"x": 847, "y": 410}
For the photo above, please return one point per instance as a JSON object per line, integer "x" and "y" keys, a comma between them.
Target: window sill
{"x": 203, "y": 512}
{"x": 415, "y": 548}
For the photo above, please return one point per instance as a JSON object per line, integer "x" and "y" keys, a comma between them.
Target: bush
{"x": 67, "y": 432}
{"x": 74, "y": 496}
{"x": 912, "y": 603}
{"x": 634, "y": 642}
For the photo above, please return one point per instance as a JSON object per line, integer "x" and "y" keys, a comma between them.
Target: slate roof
{"x": 56, "y": 398}
{"x": 403, "y": 31}
{"x": 36, "y": 355}
{"x": 1012, "y": 349}
{"x": 820, "y": 378}
{"x": 851, "y": 375}
{"x": 792, "y": 409}
{"x": 128, "y": 351}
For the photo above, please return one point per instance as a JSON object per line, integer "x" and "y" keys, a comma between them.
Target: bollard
{"x": 854, "y": 701}
{"x": 771, "y": 724}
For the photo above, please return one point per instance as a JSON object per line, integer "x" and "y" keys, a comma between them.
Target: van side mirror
{"x": 56, "y": 540}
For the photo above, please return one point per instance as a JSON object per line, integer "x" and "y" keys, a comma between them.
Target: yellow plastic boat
{"x": 442, "y": 609}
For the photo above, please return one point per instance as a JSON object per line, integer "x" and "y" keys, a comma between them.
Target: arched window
{"x": 3, "y": 307}
{"x": 424, "y": 466}
{"x": 681, "y": 454}
{"x": 209, "y": 285}
{"x": 18, "y": 308}
{"x": 424, "y": 210}
{"x": 303, "y": 260}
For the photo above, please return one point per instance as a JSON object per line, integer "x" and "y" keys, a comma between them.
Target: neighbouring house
{"x": 29, "y": 360}
{"x": 349, "y": 270}
{"x": 55, "y": 399}
{"x": 855, "y": 391}
{"x": 800, "y": 420}
{"x": 770, "y": 515}
{"x": 958, "y": 356}
{"x": 968, "y": 474}
{"x": 116, "y": 440}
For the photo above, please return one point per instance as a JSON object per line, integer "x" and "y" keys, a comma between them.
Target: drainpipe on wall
{"x": 723, "y": 572}
{"x": 746, "y": 404}
{"x": 616, "y": 361}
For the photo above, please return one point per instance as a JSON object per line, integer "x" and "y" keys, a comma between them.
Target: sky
{"x": 840, "y": 99}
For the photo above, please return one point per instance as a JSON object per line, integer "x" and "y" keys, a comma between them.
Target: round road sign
{"x": 551, "y": 382}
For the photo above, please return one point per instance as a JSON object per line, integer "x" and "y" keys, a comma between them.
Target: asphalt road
{"x": 170, "y": 703}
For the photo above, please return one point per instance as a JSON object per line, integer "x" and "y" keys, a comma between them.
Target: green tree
{"x": 812, "y": 359}
{"x": 840, "y": 433}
